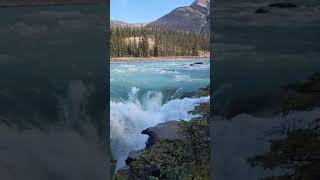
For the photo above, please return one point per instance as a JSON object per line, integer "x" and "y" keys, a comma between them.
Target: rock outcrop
{"x": 133, "y": 155}
{"x": 167, "y": 131}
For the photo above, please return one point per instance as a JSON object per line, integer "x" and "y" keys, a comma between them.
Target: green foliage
{"x": 146, "y": 42}
{"x": 171, "y": 157}
{"x": 184, "y": 158}
{"x": 120, "y": 176}
{"x": 196, "y": 135}
{"x": 200, "y": 172}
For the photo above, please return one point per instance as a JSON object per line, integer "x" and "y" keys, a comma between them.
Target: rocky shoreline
{"x": 164, "y": 58}
{"x": 167, "y": 131}
{"x": 174, "y": 149}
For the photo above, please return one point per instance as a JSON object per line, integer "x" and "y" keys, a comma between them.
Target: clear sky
{"x": 142, "y": 11}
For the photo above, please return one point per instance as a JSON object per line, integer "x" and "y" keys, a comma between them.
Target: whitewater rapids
{"x": 129, "y": 118}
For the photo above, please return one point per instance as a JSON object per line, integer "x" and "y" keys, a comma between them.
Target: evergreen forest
{"x": 153, "y": 42}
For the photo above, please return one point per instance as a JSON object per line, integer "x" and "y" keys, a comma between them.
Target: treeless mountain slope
{"x": 193, "y": 18}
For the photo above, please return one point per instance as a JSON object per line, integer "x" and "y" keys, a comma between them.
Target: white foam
{"x": 130, "y": 118}
{"x": 182, "y": 78}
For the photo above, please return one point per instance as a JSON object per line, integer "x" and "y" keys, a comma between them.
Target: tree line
{"x": 154, "y": 42}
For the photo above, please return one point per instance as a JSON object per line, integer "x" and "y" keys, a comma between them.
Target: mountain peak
{"x": 202, "y": 3}
{"x": 193, "y": 18}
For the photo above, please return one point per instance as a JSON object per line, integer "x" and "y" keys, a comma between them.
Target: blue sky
{"x": 141, "y": 11}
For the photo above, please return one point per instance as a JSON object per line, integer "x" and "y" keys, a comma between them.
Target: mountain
{"x": 193, "y": 18}
{"x": 115, "y": 24}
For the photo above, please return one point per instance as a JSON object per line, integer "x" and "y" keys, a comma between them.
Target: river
{"x": 144, "y": 94}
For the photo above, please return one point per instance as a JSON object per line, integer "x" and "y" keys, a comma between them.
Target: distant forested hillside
{"x": 153, "y": 42}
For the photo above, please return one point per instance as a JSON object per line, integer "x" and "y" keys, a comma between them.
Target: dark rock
{"x": 196, "y": 63}
{"x": 166, "y": 130}
{"x": 133, "y": 155}
{"x": 283, "y": 5}
{"x": 262, "y": 10}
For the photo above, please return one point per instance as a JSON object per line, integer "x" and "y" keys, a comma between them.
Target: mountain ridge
{"x": 193, "y": 18}
{"x": 117, "y": 24}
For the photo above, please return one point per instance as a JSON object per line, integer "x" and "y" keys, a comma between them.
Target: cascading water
{"x": 137, "y": 102}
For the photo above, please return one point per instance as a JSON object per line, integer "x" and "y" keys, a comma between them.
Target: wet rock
{"x": 166, "y": 131}
{"x": 196, "y": 63}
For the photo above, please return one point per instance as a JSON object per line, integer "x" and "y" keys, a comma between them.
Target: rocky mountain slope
{"x": 193, "y": 18}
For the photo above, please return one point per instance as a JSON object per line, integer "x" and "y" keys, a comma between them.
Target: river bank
{"x": 164, "y": 58}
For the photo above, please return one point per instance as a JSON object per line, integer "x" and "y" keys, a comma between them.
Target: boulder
{"x": 166, "y": 131}
{"x": 196, "y": 63}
